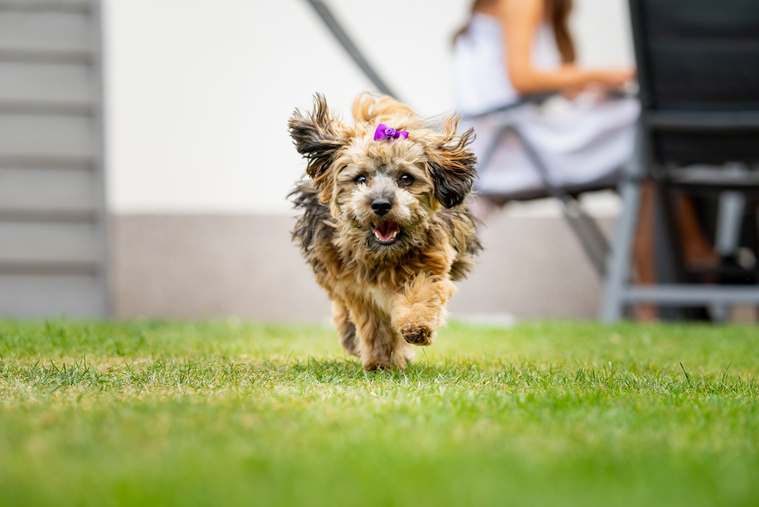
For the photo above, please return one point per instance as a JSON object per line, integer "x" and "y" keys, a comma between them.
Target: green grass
{"x": 237, "y": 413}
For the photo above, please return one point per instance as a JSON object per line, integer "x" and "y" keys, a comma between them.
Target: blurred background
{"x": 174, "y": 205}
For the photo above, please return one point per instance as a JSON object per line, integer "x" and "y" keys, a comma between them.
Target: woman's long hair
{"x": 556, "y": 12}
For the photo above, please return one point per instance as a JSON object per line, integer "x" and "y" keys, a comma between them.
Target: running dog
{"x": 384, "y": 224}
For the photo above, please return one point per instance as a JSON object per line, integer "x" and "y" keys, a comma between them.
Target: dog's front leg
{"x": 419, "y": 308}
{"x": 380, "y": 346}
{"x": 345, "y": 327}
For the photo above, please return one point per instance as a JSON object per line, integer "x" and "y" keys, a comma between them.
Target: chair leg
{"x": 588, "y": 231}
{"x": 729, "y": 215}
{"x": 613, "y": 303}
{"x": 592, "y": 239}
{"x": 617, "y": 274}
{"x": 668, "y": 206}
{"x": 731, "y": 206}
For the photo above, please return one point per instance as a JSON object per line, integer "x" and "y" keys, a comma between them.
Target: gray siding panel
{"x": 45, "y": 136}
{"x": 29, "y": 296}
{"x": 53, "y": 237}
{"x": 46, "y": 5}
{"x": 44, "y": 243}
{"x": 47, "y": 191}
{"x": 45, "y": 83}
{"x": 44, "y": 31}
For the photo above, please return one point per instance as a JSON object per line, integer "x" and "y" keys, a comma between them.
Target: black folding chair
{"x": 698, "y": 69}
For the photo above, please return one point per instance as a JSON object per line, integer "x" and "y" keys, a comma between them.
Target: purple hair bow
{"x": 385, "y": 132}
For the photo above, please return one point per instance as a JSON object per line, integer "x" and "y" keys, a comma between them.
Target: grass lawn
{"x": 237, "y": 413}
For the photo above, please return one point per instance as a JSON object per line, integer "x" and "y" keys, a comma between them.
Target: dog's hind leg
{"x": 346, "y": 328}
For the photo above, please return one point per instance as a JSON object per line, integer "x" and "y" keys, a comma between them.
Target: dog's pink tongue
{"x": 386, "y": 231}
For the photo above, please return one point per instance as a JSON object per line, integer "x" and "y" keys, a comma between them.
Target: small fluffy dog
{"x": 384, "y": 226}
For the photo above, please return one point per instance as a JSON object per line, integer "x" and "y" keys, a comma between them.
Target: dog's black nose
{"x": 381, "y": 206}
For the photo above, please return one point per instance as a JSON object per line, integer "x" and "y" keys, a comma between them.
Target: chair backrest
{"x": 698, "y": 69}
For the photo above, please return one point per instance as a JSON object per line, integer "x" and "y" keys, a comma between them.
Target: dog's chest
{"x": 380, "y": 297}
{"x": 352, "y": 289}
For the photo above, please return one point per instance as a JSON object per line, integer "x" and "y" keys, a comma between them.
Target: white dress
{"x": 580, "y": 141}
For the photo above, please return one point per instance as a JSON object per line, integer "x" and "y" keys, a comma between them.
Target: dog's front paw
{"x": 418, "y": 335}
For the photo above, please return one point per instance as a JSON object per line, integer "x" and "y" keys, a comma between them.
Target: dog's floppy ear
{"x": 316, "y": 137}
{"x": 452, "y": 165}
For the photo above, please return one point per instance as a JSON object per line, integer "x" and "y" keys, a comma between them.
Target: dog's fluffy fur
{"x": 385, "y": 226}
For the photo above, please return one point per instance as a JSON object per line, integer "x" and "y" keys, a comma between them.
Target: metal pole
{"x": 326, "y": 16}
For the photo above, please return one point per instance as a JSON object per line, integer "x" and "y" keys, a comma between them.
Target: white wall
{"x": 603, "y": 32}
{"x": 199, "y": 91}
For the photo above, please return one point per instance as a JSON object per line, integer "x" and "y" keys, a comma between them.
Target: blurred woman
{"x": 513, "y": 49}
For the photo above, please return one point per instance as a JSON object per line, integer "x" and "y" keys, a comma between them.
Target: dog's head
{"x": 384, "y": 189}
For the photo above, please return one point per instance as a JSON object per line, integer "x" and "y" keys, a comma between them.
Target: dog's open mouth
{"x": 386, "y": 232}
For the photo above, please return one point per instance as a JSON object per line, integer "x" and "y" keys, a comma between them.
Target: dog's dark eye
{"x": 360, "y": 180}
{"x": 406, "y": 180}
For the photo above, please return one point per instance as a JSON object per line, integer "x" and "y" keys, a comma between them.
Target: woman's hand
{"x": 615, "y": 79}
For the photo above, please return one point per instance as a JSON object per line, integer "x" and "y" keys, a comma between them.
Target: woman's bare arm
{"x": 521, "y": 19}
